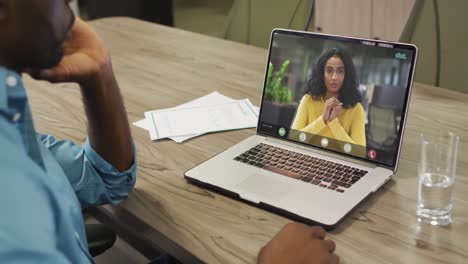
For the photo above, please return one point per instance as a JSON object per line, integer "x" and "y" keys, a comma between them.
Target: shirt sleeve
{"x": 357, "y": 133}
{"x": 94, "y": 180}
{"x": 302, "y": 116}
{"x": 27, "y": 223}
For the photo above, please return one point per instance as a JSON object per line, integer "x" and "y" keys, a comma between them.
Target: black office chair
{"x": 384, "y": 119}
{"x": 382, "y": 128}
{"x": 100, "y": 237}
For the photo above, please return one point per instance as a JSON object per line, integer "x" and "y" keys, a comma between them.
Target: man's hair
{"x": 349, "y": 93}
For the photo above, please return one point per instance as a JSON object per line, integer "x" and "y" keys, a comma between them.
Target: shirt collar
{"x": 11, "y": 86}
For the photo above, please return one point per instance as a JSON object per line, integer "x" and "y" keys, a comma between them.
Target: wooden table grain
{"x": 159, "y": 67}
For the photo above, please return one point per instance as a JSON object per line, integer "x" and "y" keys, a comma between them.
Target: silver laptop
{"x": 330, "y": 127}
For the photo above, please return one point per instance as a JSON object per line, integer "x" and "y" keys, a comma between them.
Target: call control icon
{"x": 347, "y": 148}
{"x": 302, "y": 137}
{"x": 282, "y": 131}
{"x": 372, "y": 154}
{"x": 324, "y": 142}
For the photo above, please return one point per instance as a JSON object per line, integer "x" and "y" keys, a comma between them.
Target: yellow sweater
{"x": 348, "y": 127}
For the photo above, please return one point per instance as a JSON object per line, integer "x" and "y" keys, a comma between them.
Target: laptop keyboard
{"x": 323, "y": 173}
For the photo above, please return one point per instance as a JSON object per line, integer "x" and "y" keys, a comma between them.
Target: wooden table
{"x": 159, "y": 67}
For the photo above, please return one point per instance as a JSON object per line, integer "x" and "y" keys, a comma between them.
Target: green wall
{"x": 251, "y": 21}
{"x": 453, "y": 15}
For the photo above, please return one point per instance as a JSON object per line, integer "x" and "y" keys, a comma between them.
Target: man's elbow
{"x": 119, "y": 193}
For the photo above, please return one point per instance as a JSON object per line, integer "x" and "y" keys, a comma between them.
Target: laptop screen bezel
{"x": 396, "y": 45}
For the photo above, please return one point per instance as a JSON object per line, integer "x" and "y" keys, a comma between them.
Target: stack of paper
{"x": 210, "y": 113}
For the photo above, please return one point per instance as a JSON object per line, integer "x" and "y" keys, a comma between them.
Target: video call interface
{"x": 337, "y": 94}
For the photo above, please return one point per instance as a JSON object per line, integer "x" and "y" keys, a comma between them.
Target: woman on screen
{"x": 331, "y": 105}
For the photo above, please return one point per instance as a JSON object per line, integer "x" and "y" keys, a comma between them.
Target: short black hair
{"x": 349, "y": 93}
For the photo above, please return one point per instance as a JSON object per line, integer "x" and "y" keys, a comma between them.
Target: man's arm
{"x": 109, "y": 132}
{"x": 94, "y": 180}
{"x": 87, "y": 62}
{"x": 103, "y": 169}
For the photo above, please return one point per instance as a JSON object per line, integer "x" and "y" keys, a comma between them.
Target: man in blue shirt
{"x": 45, "y": 182}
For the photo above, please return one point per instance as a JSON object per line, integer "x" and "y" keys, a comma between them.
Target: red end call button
{"x": 372, "y": 154}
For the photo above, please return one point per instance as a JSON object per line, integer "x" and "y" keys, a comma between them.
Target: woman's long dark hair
{"x": 349, "y": 93}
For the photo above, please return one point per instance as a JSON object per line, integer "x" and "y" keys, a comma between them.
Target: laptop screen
{"x": 341, "y": 94}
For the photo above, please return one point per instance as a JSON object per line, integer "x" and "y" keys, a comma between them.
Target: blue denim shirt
{"x": 44, "y": 184}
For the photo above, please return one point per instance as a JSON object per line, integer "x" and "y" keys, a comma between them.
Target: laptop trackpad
{"x": 259, "y": 187}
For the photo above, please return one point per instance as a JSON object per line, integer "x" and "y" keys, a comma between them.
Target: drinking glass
{"x": 437, "y": 170}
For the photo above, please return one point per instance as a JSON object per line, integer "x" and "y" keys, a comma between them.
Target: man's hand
{"x": 85, "y": 57}
{"x": 298, "y": 243}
